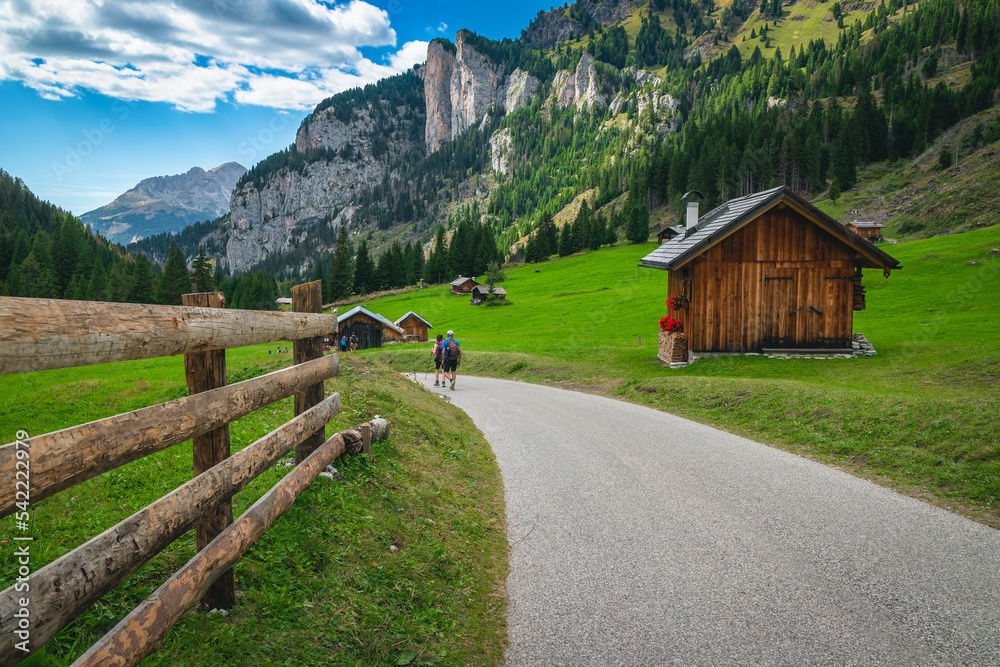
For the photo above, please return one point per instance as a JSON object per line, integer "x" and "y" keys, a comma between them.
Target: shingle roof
{"x": 485, "y": 289}
{"x": 735, "y": 212}
{"x": 666, "y": 256}
{"x": 413, "y": 314}
{"x": 461, "y": 279}
{"x": 375, "y": 316}
{"x": 868, "y": 224}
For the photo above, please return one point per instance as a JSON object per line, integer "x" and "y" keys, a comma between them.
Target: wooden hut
{"x": 414, "y": 327}
{"x": 668, "y": 233}
{"x": 372, "y": 329}
{"x": 480, "y": 292}
{"x": 463, "y": 285}
{"x": 768, "y": 271}
{"x": 866, "y": 230}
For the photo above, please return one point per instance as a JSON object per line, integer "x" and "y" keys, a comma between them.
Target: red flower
{"x": 678, "y": 301}
{"x": 670, "y": 325}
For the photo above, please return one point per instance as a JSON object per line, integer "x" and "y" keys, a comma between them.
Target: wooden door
{"x": 808, "y": 308}
{"x": 779, "y": 320}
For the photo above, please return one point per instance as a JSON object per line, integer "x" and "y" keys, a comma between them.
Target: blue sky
{"x": 95, "y": 96}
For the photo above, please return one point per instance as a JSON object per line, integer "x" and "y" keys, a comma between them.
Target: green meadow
{"x": 923, "y": 416}
{"x": 402, "y": 562}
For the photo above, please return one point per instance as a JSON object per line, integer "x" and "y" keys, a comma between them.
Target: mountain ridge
{"x": 166, "y": 203}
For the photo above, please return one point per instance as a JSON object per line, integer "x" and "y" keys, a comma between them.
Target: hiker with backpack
{"x": 437, "y": 352}
{"x": 452, "y": 357}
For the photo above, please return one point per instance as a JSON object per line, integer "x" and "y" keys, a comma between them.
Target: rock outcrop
{"x": 459, "y": 89}
{"x": 520, "y": 88}
{"x": 501, "y": 151}
{"x": 274, "y": 213}
{"x": 582, "y": 86}
{"x": 437, "y": 94}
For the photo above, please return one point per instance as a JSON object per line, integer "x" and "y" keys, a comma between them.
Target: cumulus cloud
{"x": 286, "y": 54}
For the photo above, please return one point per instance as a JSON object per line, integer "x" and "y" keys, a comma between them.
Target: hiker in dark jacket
{"x": 452, "y": 357}
{"x": 437, "y": 352}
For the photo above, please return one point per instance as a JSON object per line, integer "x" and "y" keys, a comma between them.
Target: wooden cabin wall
{"x": 747, "y": 287}
{"x": 367, "y": 329}
{"x": 412, "y": 327}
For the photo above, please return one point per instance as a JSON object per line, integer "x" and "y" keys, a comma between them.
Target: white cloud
{"x": 441, "y": 27}
{"x": 287, "y": 54}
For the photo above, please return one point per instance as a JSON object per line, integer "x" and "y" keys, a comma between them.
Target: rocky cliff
{"x": 340, "y": 152}
{"x": 461, "y": 85}
{"x": 166, "y": 203}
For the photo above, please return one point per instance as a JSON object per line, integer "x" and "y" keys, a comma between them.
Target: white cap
{"x": 451, "y": 333}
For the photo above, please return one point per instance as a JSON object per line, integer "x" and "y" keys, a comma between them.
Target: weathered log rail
{"x": 45, "y": 334}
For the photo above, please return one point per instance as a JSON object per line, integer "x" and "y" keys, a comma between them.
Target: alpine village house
{"x": 767, "y": 271}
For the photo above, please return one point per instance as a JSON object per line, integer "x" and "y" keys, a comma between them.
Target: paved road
{"x": 639, "y": 538}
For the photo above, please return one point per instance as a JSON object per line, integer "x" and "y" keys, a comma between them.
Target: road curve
{"x": 640, "y": 538}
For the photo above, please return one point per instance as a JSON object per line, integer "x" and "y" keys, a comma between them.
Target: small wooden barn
{"x": 768, "y": 271}
{"x": 480, "y": 292}
{"x": 414, "y": 327}
{"x": 463, "y": 285}
{"x": 866, "y": 230}
{"x": 372, "y": 329}
{"x": 668, "y": 233}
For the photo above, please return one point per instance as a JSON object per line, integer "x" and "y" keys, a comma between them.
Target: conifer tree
{"x": 342, "y": 267}
{"x": 638, "y": 224}
{"x": 142, "y": 285}
{"x": 176, "y": 280}
{"x": 566, "y": 240}
{"x": 364, "y": 270}
{"x": 201, "y": 272}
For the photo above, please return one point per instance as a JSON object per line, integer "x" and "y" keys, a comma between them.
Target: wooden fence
{"x": 44, "y": 334}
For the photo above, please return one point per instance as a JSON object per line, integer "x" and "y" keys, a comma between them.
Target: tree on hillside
{"x": 566, "y": 240}
{"x": 436, "y": 269}
{"x": 638, "y": 224}
{"x": 142, "y": 286}
{"x": 201, "y": 272}
{"x": 176, "y": 280}
{"x": 342, "y": 267}
{"x": 364, "y": 270}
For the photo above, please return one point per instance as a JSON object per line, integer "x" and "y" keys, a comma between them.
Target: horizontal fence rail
{"x": 64, "y": 588}
{"x": 143, "y": 630}
{"x": 62, "y": 459}
{"x": 40, "y": 334}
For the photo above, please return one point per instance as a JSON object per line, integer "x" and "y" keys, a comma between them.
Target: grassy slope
{"x": 920, "y": 199}
{"x": 921, "y": 416}
{"x": 322, "y": 585}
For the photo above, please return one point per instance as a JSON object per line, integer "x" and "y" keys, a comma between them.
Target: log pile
{"x": 673, "y": 348}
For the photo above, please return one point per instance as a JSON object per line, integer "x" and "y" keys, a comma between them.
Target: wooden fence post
{"x": 204, "y": 371}
{"x": 308, "y": 298}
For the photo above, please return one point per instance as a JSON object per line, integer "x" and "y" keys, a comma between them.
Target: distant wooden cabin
{"x": 372, "y": 329}
{"x": 668, "y": 233}
{"x": 866, "y": 230}
{"x": 768, "y": 271}
{"x": 480, "y": 292}
{"x": 463, "y": 285}
{"x": 414, "y": 327}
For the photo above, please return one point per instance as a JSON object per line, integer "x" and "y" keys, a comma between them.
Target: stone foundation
{"x": 673, "y": 348}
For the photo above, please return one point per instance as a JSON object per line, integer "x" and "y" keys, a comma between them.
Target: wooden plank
{"x": 39, "y": 334}
{"x": 308, "y": 298}
{"x": 63, "y": 589}
{"x": 143, "y": 630}
{"x": 62, "y": 459}
{"x": 205, "y": 371}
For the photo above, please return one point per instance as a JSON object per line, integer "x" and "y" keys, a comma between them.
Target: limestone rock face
{"x": 437, "y": 94}
{"x": 520, "y": 88}
{"x": 581, "y": 87}
{"x": 274, "y": 214}
{"x": 501, "y": 151}
{"x": 459, "y": 88}
{"x": 476, "y": 84}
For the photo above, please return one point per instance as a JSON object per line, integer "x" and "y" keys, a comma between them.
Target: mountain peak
{"x": 166, "y": 203}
